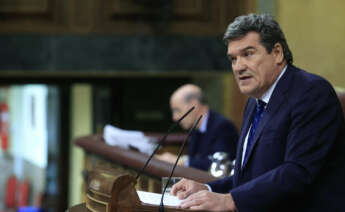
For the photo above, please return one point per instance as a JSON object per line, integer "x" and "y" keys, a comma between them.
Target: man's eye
{"x": 233, "y": 59}
{"x": 246, "y": 54}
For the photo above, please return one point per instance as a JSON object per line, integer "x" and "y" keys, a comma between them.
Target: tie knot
{"x": 261, "y": 104}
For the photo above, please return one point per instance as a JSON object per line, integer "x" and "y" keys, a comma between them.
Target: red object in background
{"x": 23, "y": 196}
{"x": 10, "y": 196}
{"x": 4, "y": 120}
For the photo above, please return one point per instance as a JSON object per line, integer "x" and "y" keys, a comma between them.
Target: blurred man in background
{"x": 214, "y": 132}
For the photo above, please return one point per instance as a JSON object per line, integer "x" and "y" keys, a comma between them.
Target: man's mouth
{"x": 244, "y": 78}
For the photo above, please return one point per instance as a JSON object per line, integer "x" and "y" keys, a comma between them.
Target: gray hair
{"x": 268, "y": 29}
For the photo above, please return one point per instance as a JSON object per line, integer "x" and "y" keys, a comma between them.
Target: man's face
{"x": 255, "y": 70}
{"x": 178, "y": 108}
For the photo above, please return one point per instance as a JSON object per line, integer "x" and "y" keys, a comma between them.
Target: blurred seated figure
{"x": 214, "y": 133}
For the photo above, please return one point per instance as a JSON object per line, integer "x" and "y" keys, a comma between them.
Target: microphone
{"x": 161, "y": 206}
{"x": 163, "y": 139}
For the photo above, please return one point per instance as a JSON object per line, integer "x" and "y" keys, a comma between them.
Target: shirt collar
{"x": 267, "y": 95}
{"x": 203, "y": 125}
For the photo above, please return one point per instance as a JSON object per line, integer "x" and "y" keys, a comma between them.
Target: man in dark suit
{"x": 215, "y": 133}
{"x": 291, "y": 151}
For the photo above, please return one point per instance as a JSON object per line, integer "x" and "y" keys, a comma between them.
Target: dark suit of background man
{"x": 296, "y": 158}
{"x": 214, "y": 133}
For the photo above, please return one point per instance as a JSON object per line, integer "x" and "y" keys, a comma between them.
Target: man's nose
{"x": 239, "y": 66}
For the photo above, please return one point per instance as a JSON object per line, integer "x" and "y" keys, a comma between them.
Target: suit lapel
{"x": 210, "y": 121}
{"x": 268, "y": 114}
{"x": 245, "y": 126}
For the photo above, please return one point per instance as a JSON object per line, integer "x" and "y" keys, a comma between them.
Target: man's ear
{"x": 278, "y": 53}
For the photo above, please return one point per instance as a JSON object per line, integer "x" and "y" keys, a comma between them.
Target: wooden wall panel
{"x": 81, "y": 15}
{"x": 191, "y": 17}
{"x": 206, "y": 17}
{"x": 31, "y": 16}
{"x": 180, "y": 7}
{"x": 24, "y": 6}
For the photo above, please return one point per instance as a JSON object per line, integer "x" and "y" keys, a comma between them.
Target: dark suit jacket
{"x": 220, "y": 136}
{"x": 297, "y": 160}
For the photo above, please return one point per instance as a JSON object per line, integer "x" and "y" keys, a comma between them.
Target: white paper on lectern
{"x": 155, "y": 198}
{"x": 125, "y": 138}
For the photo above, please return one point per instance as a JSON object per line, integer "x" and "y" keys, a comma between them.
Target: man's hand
{"x": 185, "y": 187}
{"x": 206, "y": 200}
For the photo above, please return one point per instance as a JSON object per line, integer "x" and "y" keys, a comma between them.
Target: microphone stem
{"x": 161, "y": 141}
{"x": 161, "y": 206}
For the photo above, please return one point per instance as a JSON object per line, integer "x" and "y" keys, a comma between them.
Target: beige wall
{"x": 315, "y": 31}
{"x": 81, "y": 119}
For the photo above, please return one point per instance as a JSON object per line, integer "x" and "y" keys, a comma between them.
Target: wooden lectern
{"x": 135, "y": 160}
{"x": 111, "y": 191}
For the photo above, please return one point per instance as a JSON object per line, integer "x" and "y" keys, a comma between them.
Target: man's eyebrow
{"x": 247, "y": 48}
{"x": 242, "y": 50}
